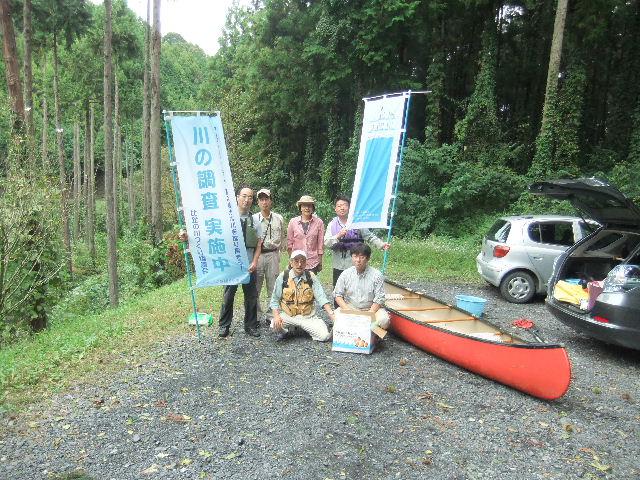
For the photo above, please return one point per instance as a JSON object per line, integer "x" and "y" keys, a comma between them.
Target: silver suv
{"x": 518, "y": 252}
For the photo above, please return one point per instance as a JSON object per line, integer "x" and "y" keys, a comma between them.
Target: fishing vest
{"x": 249, "y": 234}
{"x": 297, "y": 299}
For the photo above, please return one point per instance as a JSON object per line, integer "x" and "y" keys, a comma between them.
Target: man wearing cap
{"x": 272, "y": 225}
{"x": 306, "y": 233}
{"x": 293, "y": 298}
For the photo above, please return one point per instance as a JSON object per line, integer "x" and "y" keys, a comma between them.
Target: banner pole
{"x": 397, "y": 184}
{"x": 180, "y": 212}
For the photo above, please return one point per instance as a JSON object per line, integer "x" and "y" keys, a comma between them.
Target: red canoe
{"x": 542, "y": 370}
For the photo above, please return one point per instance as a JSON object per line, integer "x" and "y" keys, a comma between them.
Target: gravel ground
{"x": 245, "y": 408}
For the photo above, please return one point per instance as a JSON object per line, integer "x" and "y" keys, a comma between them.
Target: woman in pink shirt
{"x": 306, "y": 232}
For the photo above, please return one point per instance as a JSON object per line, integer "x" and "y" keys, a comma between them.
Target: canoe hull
{"x": 538, "y": 369}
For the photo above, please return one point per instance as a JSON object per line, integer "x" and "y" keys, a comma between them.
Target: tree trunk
{"x": 61, "y": 160}
{"x": 85, "y": 167}
{"x": 45, "y": 119}
{"x": 77, "y": 178}
{"x": 28, "y": 81}
{"x": 554, "y": 57}
{"x": 45, "y": 138}
{"x": 156, "y": 170}
{"x": 146, "y": 158}
{"x": 108, "y": 160}
{"x": 131, "y": 192}
{"x": 12, "y": 69}
{"x": 91, "y": 190}
{"x": 117, "y": 156}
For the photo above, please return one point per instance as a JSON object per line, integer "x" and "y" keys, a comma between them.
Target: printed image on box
{"x": 352, "y": 332}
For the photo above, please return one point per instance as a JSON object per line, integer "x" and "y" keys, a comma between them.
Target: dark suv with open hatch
{"x": 609, "y": 257}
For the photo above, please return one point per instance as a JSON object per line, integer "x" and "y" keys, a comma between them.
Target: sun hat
{"x": 264, "y": 191}
{"x": 298, "y": 253}
{"x": 306, "y": 199}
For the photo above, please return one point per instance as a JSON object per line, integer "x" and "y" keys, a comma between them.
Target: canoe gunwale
{"x": 525, "y": 344}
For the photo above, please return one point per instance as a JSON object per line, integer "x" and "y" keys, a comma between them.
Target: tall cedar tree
{"x": 543, "y": 162}
{"x": 45, "y": 122}
{"x": 91, "y": 196}
{"x": 77, "y": 178}
{"x": 28, "y": 80}
{"x": 155, "y": 132}
{"x": 62, "y": 171}
{"x": 112, "y": 259}
{"x": 12, "y": 69}
{"x": 146, "y": 100}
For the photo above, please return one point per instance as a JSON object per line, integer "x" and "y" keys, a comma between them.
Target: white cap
{"x": 298, "y": 253}
{"x": 264, "y": 191}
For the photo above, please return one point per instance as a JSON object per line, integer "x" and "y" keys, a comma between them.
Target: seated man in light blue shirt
{"x": 361, "y": 287}
{"x": 292, "y": 302}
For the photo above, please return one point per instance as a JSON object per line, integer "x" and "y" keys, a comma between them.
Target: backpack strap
{"x": 285, "y": 277}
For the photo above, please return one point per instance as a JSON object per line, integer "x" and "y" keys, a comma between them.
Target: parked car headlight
{"x": 622, "y": 278}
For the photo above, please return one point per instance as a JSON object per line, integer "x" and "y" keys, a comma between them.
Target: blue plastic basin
{"x": 473, "y": 305}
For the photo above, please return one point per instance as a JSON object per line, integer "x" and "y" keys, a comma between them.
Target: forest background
{"x": 520, "y": 91}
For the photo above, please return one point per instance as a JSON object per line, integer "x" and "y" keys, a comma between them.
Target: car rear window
{"x": 554, "y": 233}
{"x": 499, "y": 232}
{"x": 587, "y": 228}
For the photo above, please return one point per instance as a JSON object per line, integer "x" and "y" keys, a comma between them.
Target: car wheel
{"x": 518, "y": 287}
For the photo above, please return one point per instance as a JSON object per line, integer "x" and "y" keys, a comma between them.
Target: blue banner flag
{"x": 382, "y": 129}
{"x": 209, "y": 202}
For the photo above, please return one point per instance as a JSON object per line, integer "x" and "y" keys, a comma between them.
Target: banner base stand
{"x": 203, "y": 319}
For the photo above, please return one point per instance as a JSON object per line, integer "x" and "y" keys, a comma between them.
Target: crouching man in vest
{"x": 292, "y": 301}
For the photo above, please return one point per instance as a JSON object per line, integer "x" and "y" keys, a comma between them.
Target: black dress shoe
{"x": 252, "y": 332}
{"x": 223, "y": 332}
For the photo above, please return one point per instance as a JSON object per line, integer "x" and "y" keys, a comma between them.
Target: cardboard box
{"x": 352, "y": 332}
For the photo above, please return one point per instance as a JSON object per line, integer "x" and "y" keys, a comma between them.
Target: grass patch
{"x": 432, "y": 259}
{"x": 74, "y": 349}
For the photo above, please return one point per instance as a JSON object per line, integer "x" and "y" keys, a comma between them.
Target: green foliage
{"x": 183, "y": 70}
{"x": 445, "y": 190}
{"x": 30, "y": 253}
{"x": 479, "y": 128}
{"x": 634, "y": 145}
{"x": 433, "y": 111}
{"x": 141, "y": 268}
{"x": 557, "y": 145}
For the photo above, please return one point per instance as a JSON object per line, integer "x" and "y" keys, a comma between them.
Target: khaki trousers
{"x": 266, "y": 273}
{"x": 312, "y": 324}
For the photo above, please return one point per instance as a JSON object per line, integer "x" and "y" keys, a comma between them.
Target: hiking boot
{"x": 223, "y": 332}
{"x": 252, "y": 332}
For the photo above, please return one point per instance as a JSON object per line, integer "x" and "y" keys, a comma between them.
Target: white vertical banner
{"x": 209, "y": 202}
{"x": 382, "y": 128}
